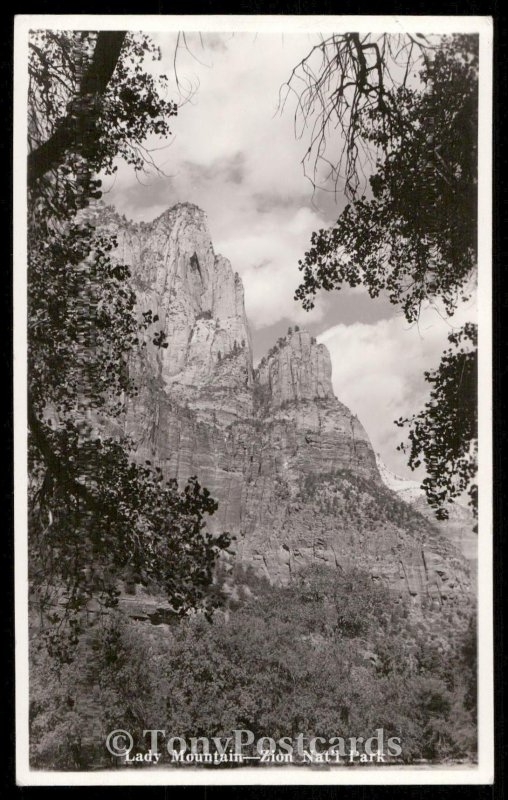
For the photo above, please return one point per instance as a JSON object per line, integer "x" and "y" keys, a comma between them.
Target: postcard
{"x": 253, "y": 448}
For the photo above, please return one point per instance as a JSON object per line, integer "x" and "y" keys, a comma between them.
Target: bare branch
{"x": 342, "y": 79}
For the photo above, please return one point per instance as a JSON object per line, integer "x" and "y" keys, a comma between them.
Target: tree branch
{"x": 93, "y": 84}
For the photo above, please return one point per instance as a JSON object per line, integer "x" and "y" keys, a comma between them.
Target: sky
{"x": 236, "y": 155}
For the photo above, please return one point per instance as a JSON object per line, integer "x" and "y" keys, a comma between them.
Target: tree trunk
{"x": 93, "y": 84}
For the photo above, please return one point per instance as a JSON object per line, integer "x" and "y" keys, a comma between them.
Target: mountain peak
{"x": 186, "y": 213}
{"x": 292, "y": 469}
{"x": 188, "y": 208}
{"x": 296, "y": 368}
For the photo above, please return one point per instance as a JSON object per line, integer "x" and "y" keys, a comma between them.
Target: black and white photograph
{"x": 253, "y": 400}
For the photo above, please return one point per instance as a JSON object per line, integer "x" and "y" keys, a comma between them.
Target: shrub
{"x": 330, "y": 654}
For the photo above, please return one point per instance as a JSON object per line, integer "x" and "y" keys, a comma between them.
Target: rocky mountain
{"x": 292, "y": 468}
{"x": 459, "y": 528}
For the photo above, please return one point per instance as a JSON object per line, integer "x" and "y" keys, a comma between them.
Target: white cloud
{"x": 378, "y": 372}
{"x": 265, "y": 251}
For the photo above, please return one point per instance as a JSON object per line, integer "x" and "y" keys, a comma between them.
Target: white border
{"x": 482, "y": 773}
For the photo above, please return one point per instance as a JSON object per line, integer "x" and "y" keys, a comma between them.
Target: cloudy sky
{"x": 237, "y": 157}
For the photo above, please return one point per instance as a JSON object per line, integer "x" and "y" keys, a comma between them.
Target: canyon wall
{"x": 292, "y": 468}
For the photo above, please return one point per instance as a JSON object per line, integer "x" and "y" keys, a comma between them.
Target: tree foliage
{"x": 92, "y": 100}
{"x": 414, "y": 236}
{"x": 444, "y": 434}
{"x": 95, "y": 514}
{"x": 331, "y": 654}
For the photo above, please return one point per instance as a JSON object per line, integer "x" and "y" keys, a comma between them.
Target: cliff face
{"x": 199, "y": 302}
{"x": 292, "y": 468}
{"x": 459, "y": 528}
{"x": 298, "y": 370}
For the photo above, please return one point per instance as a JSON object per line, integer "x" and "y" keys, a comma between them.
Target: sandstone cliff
{"x": 459, "y": 528}
{"x": 292, "y": 468}
{"x": 297, "y": 369}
